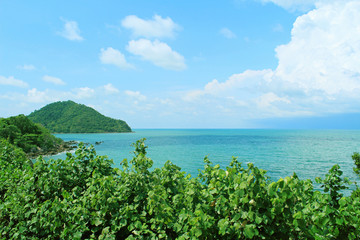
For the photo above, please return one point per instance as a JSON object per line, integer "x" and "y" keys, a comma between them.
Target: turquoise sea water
{"x": 309, "y": 153}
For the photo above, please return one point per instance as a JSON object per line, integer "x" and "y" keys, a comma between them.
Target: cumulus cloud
{"x": 157, "y": 27}
{"x": 324, "y": 51}
{"x": 318, "y": 70}
{"x": 11, "y": 81}
{"x": 243, "y": 85}
{"x": 158, "y": 53}
{"x": 114, "y": 57}
{"x": 27, "y": 67}
{"x": 227, "y": 33}
{"x": 110, "y": 89}
{"x": 71, "y": 31}
{"x": 54, "y": 80}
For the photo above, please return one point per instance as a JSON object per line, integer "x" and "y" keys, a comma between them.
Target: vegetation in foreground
{"x": 84, "y": 197}
{"x": 32, "y": 138}
{"x": 71, "y": 117}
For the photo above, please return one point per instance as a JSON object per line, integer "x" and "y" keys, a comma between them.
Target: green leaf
{"x": 342, "y": 202}
{"x": 77, "y": 235}
{"x": 198, "y": 232}
{"x": 249, "y": 231}
{"x": 272, "y": 188}
{"x": 98, "y": 222}
{"x": 243, "y": 185}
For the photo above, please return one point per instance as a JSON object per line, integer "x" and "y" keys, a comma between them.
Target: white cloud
{"x": 244, "y": 84}
{"x": 71, "y": 31}
{"x": 193, "y": 95}
{"x": 36, "y": 96}
{"x": 324, "y": 51}
{"x": 318, "y": 71}
{"x": 114, "y": 57}
{"x": 267, "y": 99}
{"x": 110, "y": 89}
{"x": 54, "y": 80}
{"x": 11, "y": 81}
{"x": 302, "y": 5}
{"x": 27, "y": 67}
{"x": 157, "y": 27}
{"x": 227, "y": 33}
{"x": 249, "y": 80}
{"x": 159, "y": 53}
{"x": 83, "y": 92}
{"x": 249, "y": 93}
{"x": 136, "y": 95}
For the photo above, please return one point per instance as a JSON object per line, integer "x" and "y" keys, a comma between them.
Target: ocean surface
{"x": 309, "y": 153}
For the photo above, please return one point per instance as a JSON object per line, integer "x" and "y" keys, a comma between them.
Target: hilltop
{"x": 71, "y": 117}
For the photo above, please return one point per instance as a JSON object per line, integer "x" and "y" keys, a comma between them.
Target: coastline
{"x": 89, "y": 132}
{"x": 64, "y": 147}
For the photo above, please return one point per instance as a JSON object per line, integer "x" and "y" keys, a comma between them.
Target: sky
{"x": 186, "y": 64}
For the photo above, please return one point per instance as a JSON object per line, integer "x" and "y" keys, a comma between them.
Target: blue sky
{"x": 186, "y": 64}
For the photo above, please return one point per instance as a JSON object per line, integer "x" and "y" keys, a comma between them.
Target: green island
{"x": 85, "y": 197}
{"x": 71, "y": 117}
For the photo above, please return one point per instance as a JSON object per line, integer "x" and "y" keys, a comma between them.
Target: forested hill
{"x": 32, "y": 138}
{"x": 71, "y": 117}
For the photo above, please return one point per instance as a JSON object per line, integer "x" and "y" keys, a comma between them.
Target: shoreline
{"x": 64, "y": 147}
{"x": 91, "y": 132}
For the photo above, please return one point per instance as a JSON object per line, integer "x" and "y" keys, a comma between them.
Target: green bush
{"x": 84, "y": 197}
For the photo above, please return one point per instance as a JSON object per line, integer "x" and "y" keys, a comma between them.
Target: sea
{"x": 308, "y": 153}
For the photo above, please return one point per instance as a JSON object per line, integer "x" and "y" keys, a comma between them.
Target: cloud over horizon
{"x": 318, "y": 71}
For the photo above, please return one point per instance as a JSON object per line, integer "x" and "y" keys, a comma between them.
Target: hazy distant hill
{"x": 71, "y": 117}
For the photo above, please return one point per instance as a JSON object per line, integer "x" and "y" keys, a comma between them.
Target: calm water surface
{"x": 309, "y": 153}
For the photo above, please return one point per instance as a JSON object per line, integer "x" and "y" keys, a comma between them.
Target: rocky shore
{"x": 63, "y": 147}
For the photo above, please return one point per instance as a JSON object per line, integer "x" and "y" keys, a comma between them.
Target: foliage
{"x": 32, "y": 138}
{"x": 84, "y": 197}
{"x": 13, "y": 162}
{"x": 70, "y": 117}
{"x": 356, "y": 158}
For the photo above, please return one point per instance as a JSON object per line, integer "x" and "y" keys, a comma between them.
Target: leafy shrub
{"x": 84, "y": 197}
